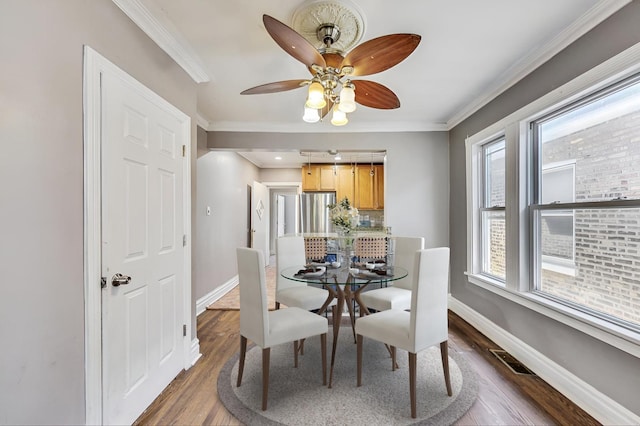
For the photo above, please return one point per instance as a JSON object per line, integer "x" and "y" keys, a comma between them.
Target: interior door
{"x": 281, "y": 221}
{"x": 260, "y": 219}
{"x": 142, "y": 239}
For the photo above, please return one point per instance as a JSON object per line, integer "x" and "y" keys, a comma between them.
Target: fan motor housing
{"x": 328, "y": 34}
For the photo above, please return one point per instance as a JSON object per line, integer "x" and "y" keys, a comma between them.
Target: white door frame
{"x": 94, "y": 66}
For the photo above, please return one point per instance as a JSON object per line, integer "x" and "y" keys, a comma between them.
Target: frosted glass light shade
{"x": 347, "y": 99}
{"x": 311, "y": 115}
{"x": 315, "y": 98}
{"x": 339, "y": 118}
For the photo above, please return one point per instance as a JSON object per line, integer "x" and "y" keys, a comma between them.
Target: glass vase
{"x": 345, "y": 247}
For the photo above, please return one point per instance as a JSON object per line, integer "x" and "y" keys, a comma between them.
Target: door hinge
{"x": 184, "y": 240}
{"x": 103, "y": 282}
{"x": 184, "y": 150}
{"x": 184, "y": 330}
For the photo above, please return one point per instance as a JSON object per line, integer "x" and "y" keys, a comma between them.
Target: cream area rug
{"x": 297, "y": 396}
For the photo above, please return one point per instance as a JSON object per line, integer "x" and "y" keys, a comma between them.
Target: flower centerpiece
{"x": 343, "y": 216}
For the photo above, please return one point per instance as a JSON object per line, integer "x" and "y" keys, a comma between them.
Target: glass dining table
{"x": 345, "y": 285}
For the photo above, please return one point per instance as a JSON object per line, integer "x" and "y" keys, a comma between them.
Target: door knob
{"x": 119, "y": 279}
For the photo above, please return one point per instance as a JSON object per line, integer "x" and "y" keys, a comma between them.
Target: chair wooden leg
{"x": 243, "y": 352}
{"x": 412, "y": 382}
{"x": 295, "y": 353}
{"x": 444, "y": 354}
{"x": 301, "y": 346}
{"x": 393, "y": 358}
{"x": 323, "y": 347}
{"x": 359, "y": 339}
{"x": 266, "y": 355}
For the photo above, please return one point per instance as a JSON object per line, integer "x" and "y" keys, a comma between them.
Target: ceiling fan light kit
{"x": 334, "y": 28}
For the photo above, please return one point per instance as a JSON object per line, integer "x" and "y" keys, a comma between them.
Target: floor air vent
{"x": 513, "y": 364}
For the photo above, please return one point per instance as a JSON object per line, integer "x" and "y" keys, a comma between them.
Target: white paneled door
{"x": 260, "y": 219}
{"x": 142, "y": 239}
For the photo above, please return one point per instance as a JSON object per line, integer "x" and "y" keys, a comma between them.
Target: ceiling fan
{"x": 331, "y": 87}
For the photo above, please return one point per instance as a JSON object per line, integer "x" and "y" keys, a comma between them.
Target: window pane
{"x": 557, "y": 184}
{"x": 606, "y": 262}
{"x": 493, "y": 250}
{"x": 556, "y": 228}
{"x": 603, "y": 138}
{"x": 494, "y": 174}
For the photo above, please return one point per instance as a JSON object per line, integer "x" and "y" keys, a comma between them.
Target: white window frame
{"x": 555, "y": 263}
{"x": 515, "y": 127}
{"x": 485, "y": 242}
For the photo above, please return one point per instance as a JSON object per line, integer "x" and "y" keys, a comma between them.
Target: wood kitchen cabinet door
{"x": 319, "y": 177}
{"x": 379, "y": 185}
{"x": 328, "y": 177}
{"x": 345, "y": 186}
{"x": 370, "y": 187}
{"x": 310, "y": 178}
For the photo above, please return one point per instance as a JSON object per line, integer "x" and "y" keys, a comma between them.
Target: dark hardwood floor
{"x": 504, "y": 398}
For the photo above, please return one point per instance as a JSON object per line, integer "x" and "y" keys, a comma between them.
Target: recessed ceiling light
{"x": 278, "y": 158}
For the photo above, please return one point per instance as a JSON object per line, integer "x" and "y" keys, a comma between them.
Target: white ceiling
{"x": 470, "y": 51}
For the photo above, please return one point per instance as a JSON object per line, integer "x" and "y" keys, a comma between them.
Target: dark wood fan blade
{"x": 381, "y": 53}
{"x": 326, "y": 109}
{"x": 292, "y": 42}
{"x": 278, "y": 86}
{"x": 375, "y": 95}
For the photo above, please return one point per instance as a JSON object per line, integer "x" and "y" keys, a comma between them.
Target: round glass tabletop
{"x": 326, "y": 274}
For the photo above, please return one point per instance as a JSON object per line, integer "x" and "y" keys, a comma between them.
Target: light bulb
{"x": 311, "y": 115}
{"x": 347, "y": 98}
{"x": 339, "y": 118}
{"x": 315, "y": 98}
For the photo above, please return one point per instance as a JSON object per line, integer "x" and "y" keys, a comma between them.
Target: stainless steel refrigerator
{"x": 314, "y": 211}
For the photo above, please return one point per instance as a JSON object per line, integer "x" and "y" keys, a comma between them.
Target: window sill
{"x": 619, "y": 337}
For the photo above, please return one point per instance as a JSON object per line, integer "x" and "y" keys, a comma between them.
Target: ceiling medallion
{"x": 316, "y": 19}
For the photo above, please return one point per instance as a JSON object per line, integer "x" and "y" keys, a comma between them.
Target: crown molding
{"x": 202, "y": 122}
{"x": 326, "y": 127}
{"x": 166, "y": 36}
{"x": 598, "y": 13}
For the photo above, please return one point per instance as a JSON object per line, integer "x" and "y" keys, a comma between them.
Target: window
{"x": 557, "y": 237}
{"x": 492, "y": 210}
{"x": 586, "y": 221}
{"x": 553, "y": 204}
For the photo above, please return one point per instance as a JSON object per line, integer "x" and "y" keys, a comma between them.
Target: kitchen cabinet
{"x": 319, "y": 177}
{"x": 345, "y": 185}
{"x": 369, "y": 187}
{"x": 362, "y": 184}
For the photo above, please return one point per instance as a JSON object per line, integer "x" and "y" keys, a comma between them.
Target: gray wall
{"x": 222, "y": 179}
{"x": 41, "y": 173}
{"x": 280, "y": 175}
{"x": 416, "y": 172}
{"x": 416, "y": 187}
{"x": 611, "y": 371}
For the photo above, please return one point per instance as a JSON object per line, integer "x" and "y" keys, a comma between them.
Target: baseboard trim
{"x": 215, "y": 294}
{"x": 195, "y": 354}
{"x": 600, "y": 406}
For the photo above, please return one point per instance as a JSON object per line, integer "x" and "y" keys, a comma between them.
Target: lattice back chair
{"x": 270, "y": 328}
{"x": 290, "y": 252}
{"x": 398, "y": 295}
{"x": 315, "y": 249}
{"x": 369, "y": 249}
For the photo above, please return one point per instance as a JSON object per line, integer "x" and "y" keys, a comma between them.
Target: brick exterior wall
{"x": 606, "y": 242}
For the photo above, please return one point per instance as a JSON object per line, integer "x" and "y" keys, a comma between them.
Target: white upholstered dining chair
{"x": 290, "y": 251}
{"x": 398, "y": 295}
{"x": 270, "y": 328}
{"x": 424, "y": 326}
